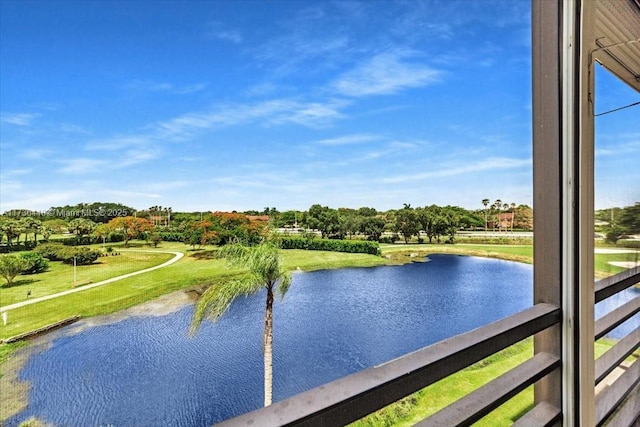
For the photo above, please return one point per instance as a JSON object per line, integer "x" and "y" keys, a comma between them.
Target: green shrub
{"x": 629, "y": 243}
{"x": 51, "y": 251}
{"x": 66, "y": 254}
{"x": 389, "y": 239}
{"x": 82, "y": 256}
{"x": 37, "y": 263}
{"x": 171, "y": 236}
{"x": 350, "y": 246}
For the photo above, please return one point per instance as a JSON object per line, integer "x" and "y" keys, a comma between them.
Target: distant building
{"x": 502, "y": 221}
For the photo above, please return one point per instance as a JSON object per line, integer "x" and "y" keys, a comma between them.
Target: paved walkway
{"x": 177, "y": 257}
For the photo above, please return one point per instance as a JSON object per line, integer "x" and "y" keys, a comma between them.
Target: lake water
{"x": 146, "y": 371}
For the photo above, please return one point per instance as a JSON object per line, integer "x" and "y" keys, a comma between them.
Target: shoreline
{"x": 17, "y": 400}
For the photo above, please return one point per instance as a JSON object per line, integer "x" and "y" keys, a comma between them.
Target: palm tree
{"x": 485, "y": 202}
{"x": 505, "y": 207}
{"x": 497, "y": 206}
{"x": 513, "y": 215}
{"x": 265, "y": 270}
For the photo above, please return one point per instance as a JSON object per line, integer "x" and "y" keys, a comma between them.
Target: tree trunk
{"x": 268, "y": 347}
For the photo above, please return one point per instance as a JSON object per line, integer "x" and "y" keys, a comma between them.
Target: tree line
{"x": 113, "y": 222}
{"x": 619, "y": 223}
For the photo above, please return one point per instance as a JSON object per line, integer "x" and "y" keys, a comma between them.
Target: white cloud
{"x": 82, "y": 166}
{"x": 275, "y": 111}
{"x": 384, "y": 74}
{"x": 482, "y": 165}
{"x": 119, "y": 142}
{"x": 131, "y": 194}
{"x": 18, "y": 119}
{"x": 41, "y": 200}
{"x": 348, "y": 139}
{"x": 221, "y": 31}
{"x": 15, "y": 172}
{"x": 165, "y": 87}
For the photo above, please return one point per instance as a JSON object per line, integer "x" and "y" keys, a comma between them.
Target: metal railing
{"x": 357, "y": 395}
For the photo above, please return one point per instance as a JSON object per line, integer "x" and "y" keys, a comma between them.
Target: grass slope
{"x": 59, "y": 277}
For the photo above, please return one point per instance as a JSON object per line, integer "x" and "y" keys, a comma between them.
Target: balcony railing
{"x": 618, "y": 403}
{"x": 357, "y": 395}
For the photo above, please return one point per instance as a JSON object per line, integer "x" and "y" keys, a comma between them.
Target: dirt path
{"x": 177, "y": 257}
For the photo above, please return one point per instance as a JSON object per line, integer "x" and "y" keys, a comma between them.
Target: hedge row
{"x": 350, "y": 246}
{"x": 67, "y": 254}
{"x": 628, "y": 243}
{"x": 171, "y": 236}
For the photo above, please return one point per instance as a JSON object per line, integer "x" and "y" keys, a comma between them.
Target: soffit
{"x": 617, "y": 35}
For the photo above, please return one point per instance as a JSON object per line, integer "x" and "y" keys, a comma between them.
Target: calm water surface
{"x": 146, "y": 371}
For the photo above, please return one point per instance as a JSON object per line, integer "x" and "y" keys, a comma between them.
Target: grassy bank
{"x": 187, "y": 273}
{"x": 403, "y": 253}
{"x": 60, "y": 277}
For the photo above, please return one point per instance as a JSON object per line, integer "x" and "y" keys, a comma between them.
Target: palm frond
{"x": 215, "y": 301}
{"x": 263, "y": 266}
{"x": 284, "y": 284}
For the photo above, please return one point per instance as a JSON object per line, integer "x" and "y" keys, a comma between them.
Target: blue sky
{"x": 223, "y": 105}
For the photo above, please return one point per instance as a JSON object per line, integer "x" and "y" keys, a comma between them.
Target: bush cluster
{"x": 50, "y": 251}
{"x": 66, "y": 254}
{"x": 628, "y": 243}
{"x": 389, "y": 239}
{"x": 350, "y": 246}
{"x": 37, "y": 263}
{"x": 171, "y": 236}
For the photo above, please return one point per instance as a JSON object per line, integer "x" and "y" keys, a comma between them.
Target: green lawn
{"x": 60, "y": 277}
{"x": 604, "y": 269}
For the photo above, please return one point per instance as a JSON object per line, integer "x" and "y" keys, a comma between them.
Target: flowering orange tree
{"x": 236, "y": 226}
{"x": 130, "y": 227}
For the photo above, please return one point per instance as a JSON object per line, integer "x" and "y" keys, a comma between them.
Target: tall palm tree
{"x": 505, "y": 207}
{"x": 485, "y": 202}
{"x": 264, "y": 268}
{"x": 497, "y": 206}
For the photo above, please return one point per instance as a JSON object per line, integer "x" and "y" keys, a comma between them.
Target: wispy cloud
{"x": 36, "y": 153}
{"x": 620, "y": 149}
{"x": 82, "y": 166}
{"x": 15, "y": 172}
{"x": 18, "y": 119}
{"x": 348, "y": 139}
{"x": 271, "y": 112}
{"x": 493, "y": 163}
{"x": 165, "y": 87}
{"x": 41, "y": 199}
{"x": 221, "y": 31}
{"x": 120, "y": 142}
{"x": 132, "y": 194}
{"x": 384, "y": 74}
